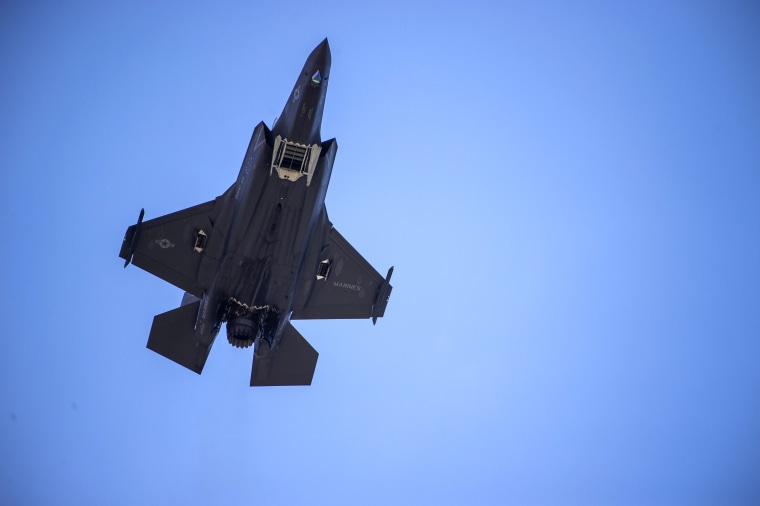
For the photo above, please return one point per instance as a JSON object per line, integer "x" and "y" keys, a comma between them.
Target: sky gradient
{"x": 570, "y": 195}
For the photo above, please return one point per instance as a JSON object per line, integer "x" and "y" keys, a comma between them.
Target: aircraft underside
{"x": 262, "y": 254}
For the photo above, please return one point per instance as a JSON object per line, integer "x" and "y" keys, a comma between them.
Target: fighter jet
{"x": 264, "y": 253}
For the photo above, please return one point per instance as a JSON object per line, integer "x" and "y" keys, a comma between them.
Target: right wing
{"x": 171, "y": 247}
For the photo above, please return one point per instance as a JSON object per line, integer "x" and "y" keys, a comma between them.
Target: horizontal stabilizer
{"x": 292, "y": 363}
{"x": 189, "y": 298}
{"x": 173, "y": 336}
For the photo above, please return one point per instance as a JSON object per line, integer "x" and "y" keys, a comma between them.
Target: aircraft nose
{"x": 323, "y": 49}
{"x": 320, "y": 57}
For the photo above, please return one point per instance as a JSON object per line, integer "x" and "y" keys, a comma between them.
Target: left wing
{"x": 171, "y": 247}
{"x": 347, "y": 286}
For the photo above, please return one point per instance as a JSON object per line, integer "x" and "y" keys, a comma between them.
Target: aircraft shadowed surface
{"x": 263, "y": 253}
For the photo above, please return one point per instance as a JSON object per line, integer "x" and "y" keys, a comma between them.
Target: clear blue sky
{"x": 570, "y": 194}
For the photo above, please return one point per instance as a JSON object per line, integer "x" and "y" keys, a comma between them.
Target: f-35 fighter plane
{"x": 263, "y": 253}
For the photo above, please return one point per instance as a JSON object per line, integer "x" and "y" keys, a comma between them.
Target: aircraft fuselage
{"x": 262, "y": 250}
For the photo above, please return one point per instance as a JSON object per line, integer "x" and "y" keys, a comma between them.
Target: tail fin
{"x": 292, "y": 363}
{"x": 173, "y": 336}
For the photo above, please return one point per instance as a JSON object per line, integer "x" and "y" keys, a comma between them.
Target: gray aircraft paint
{"x": 263, "y": 253}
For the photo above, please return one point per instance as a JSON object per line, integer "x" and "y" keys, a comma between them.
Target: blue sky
{"x": 570, "y": 194}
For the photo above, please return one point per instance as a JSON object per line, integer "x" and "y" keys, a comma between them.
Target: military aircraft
{"x": 263, "y": 253}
